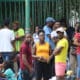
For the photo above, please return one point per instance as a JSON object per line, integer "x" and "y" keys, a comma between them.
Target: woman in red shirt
{"x": 77, "y": 43}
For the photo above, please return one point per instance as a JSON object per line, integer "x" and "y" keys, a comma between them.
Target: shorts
{"x": 60, "y": 69}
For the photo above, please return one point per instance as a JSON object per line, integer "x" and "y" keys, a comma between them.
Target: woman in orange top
{"x": 42, "y": 52}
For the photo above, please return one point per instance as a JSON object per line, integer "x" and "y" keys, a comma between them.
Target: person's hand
{"x": 35, "y": 57}
{"x": 48, "y": 60}
{"x": 42, "y": 59}
{"x": 30, "y": 69}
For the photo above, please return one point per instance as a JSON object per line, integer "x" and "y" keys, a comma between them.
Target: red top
{"x": 25, "y": 49}
{"x": 77, "y": 36}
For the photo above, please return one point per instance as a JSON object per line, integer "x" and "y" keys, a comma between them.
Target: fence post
{"x": 27, "y": 16}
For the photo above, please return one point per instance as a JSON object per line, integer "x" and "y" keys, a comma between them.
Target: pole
{"x": 27, "y": 16}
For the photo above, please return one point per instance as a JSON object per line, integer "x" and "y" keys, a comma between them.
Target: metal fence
{"x": 13, "y": 10}
{"x": 39, "y": 10}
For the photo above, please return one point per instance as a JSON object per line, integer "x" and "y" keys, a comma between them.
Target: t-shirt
{"x": 25, "y": 49}
{"x": 36, "y": 37}
{"x": 54, "y": 34}
{"x": 10, "y": 74}
{"x": 20, "y": 33}
{"x": 62, "y": 56}
{"x": 6, "y": 37}
{"x": 41, "y": 51}
{"x": 48, "y": 31}
{"x": 77, "y": 36}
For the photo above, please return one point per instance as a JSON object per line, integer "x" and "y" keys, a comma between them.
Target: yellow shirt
{"x": 62, "y": 56}
{"x": 42, "y": 50}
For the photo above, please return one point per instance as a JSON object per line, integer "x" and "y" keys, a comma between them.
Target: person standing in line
{"x": 19, "y": 35}
{"x": 35, "y": 35}
{"x": 48, "y": 29}
{"x": 35, "y": 40}
{"x": 6, "y": 40}
{"x": 42, "y": 51}
{"x": 26, "y": 58}
{"x": 55, "y": 38}
{"x": 57, "y": 25}
{"x": 77, "y": 43}
{"x": 73, "y": 57}
{"x": 60, "y": 54}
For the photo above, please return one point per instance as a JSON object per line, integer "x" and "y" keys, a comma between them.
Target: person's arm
{"x": 76, "y": 42}
{"x": 20, "y": 35}
{"x": 2, "y": 75}
{"x": 26, "y": 62}
{"x": 56, "y": 52}
{"x": 49, "y": 36}
{"x": 34, "y": 49}
{"x": 13, "y": 40}
{"x": 34, "y": 52}
{"x": 50, "y": 51}
{"x": 47, "y": 32}
{"x": 13, "y": 44}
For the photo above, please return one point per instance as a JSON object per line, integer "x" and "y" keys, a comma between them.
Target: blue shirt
{"x": 48, "y": 31}
{"x": 10, "y": 74}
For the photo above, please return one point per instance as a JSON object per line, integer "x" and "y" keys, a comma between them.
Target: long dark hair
{"x": 78, "y": 30}
{"x": 9, "y": 64}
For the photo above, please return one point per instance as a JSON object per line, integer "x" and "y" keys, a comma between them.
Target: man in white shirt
{"x": 6, "y": 40}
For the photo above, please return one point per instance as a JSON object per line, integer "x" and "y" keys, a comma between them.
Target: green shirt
{"x": 20, "y": 33}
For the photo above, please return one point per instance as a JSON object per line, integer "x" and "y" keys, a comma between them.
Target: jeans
{"x": 73, "y": 60}
{"x": 19, "y": 75}
{"x": 6, "y": 55}
{"x": 25, "y": 75}
{"x": 78, "y": 65}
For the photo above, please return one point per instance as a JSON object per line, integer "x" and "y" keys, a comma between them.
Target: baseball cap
{"x": 54, "y": 34}
{"x": 60, "y": 29}
{"x": 50, "y": 19}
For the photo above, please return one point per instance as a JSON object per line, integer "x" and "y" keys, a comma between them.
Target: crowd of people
{"x": 51, "y": 51}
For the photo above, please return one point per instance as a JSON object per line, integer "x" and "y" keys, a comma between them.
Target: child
{"x": 15, "y": 60}
{"x": 8, "y": 71}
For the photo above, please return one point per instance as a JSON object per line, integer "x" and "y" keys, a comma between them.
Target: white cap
{"x": 60, "y": 29}
{"x": 54, "y": 34}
